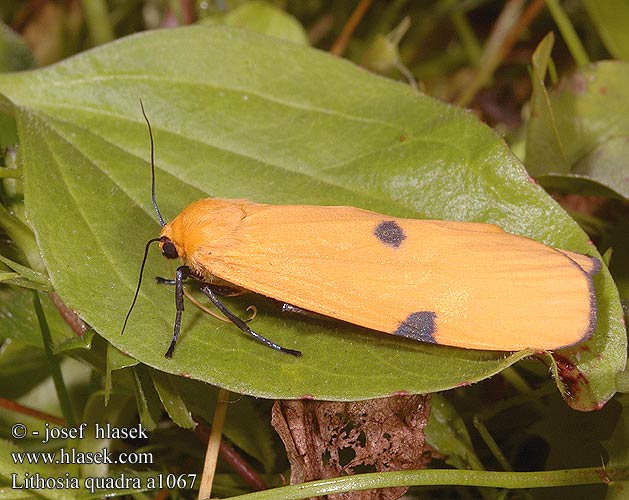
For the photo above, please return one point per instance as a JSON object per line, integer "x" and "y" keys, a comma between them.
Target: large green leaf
{"x": 265, "y": 18}
{"x": 240, "y": 115}
{"x": 14, "y": 52}
{"x": 610, "y": 19}
{"x": 18, "y": 320}
{"x": 577, "y": 134}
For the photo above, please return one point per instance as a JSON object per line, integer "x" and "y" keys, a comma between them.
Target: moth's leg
{"x": 219, "y": 289}
{"x": 168, "y": 281}
{"x": 181, "y": 274}
{"x": 164, "y": 281}
{"x": 207, "y": 290}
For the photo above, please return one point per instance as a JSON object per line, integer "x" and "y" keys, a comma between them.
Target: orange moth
{"x": 462, "y": 284}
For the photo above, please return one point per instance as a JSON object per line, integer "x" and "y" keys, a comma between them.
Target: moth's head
{"x": 168, "y": 248}
{"x": 172, "y": 240}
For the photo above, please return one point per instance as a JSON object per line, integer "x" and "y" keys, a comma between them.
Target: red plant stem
{"x": 26, "y": 410}
{"x": 241, "y": 466}
{"x": 231, "y": 457}
{"x": 79, "y": 327}
{"x": 527, "y": 17}
{"x": 162, "y": 494}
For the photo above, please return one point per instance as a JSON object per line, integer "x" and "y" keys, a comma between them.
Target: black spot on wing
{"x": 390, "y": 233}
{"x": 418, "y": 326}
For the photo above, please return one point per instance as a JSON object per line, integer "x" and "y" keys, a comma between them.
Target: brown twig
{"x": 340, "y": 44}
{"x": 320, "y": 29}
{"x": 28, "y": 11}
{"x": 527, "y": 17}
{"x": 187, "y": 12}
{"x": 505, "y": 33}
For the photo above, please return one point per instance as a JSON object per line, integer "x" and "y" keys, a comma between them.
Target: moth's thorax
{"x": 202, "y": 225}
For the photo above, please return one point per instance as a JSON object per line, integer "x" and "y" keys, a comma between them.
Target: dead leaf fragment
{"x": 330, "y": 439}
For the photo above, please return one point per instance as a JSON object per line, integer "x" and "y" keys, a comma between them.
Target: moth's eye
{"x": 169, "y": 251}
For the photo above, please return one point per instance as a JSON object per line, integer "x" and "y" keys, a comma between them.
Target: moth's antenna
{"x": 159, "y": 215}
{"x": 137, "y": 290}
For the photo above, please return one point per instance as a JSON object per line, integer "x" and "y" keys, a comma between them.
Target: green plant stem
{"x": 441, "y": 477}
{"x": 494, "y": 51}
{"x": 465, "y": 33}
{"x": 490, "y": 442}
{"x": 390, "y": 15}
{"x": 486, "y": 414}
{"x": 57, "y": 377}
{"x": 518, "y": 382}
{"x": 53, "y": 363}
{"x": 23, "y": 238}
{"x": 568, "y": 33}
{"x": 98, "y": 22}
